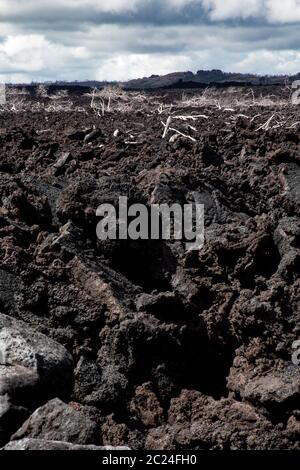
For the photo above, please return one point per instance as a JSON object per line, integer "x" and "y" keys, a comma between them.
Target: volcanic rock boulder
{"x": 290, "y": 179}
{"x": 276, "y": 386}
{"x": 33, "y": 368}
{"x": 46, "y": 365}
{"x": 57, "y": 421}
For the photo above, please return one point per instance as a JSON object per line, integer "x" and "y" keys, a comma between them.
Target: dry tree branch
{"x": 193, "y": 118}
{"x": 164, "y": 108}
{"x": 166, "y": 126}
{"x": 266, "y": 125}
{"x": 255, "y": 117}
{"x": 294, "y": 125}
{"x": 183, "y": 135}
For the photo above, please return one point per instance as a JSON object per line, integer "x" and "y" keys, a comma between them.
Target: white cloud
{"x": 223, "y": 10}
{"x": 10, "y": 7}
{"x": 279, "y": 62}
{"x": 283, "y": 11}
{"x": 34, "y": 54}
{"x": 127, "y": 66}
{"x": 179, "y": 4}
{"x": 273, "y": 11}
{"x": 276, "y": 11}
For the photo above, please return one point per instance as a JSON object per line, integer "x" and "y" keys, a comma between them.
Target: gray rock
{"x": 57, "y": 421}
{"x": 94, "y": 135}
{"x": 18, "y": 382}
{"x": 32, "y": 361}
{"x": 291, "y": 179}
{"x": 279, "y": 385}
{"x": 275, "y": 387}
{"x": 286, "y": 234}
{"x": 43, "y": 444}
{"x": 62, "y": 160}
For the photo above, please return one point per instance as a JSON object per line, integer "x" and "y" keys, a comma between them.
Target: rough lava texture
{"x": 57, "y": 421}
{"x": 43, "y": 444}
{"x": 141, "y": 343}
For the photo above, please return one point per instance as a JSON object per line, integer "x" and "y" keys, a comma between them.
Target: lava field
{"x": 141, "y": 343}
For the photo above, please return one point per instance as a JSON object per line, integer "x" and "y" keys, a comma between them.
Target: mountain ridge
{"x": 186, "y": 79}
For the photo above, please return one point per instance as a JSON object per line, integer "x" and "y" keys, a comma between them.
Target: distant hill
{"x": 205, "y": 77}
{"x": 202, "y": 78}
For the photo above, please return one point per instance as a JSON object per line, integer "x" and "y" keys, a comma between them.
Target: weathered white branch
{"x": 266, "y": 125}
{"x": 166, "y": 126}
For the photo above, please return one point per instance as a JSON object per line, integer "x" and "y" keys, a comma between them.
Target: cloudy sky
{"x": 122, "y": 39}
